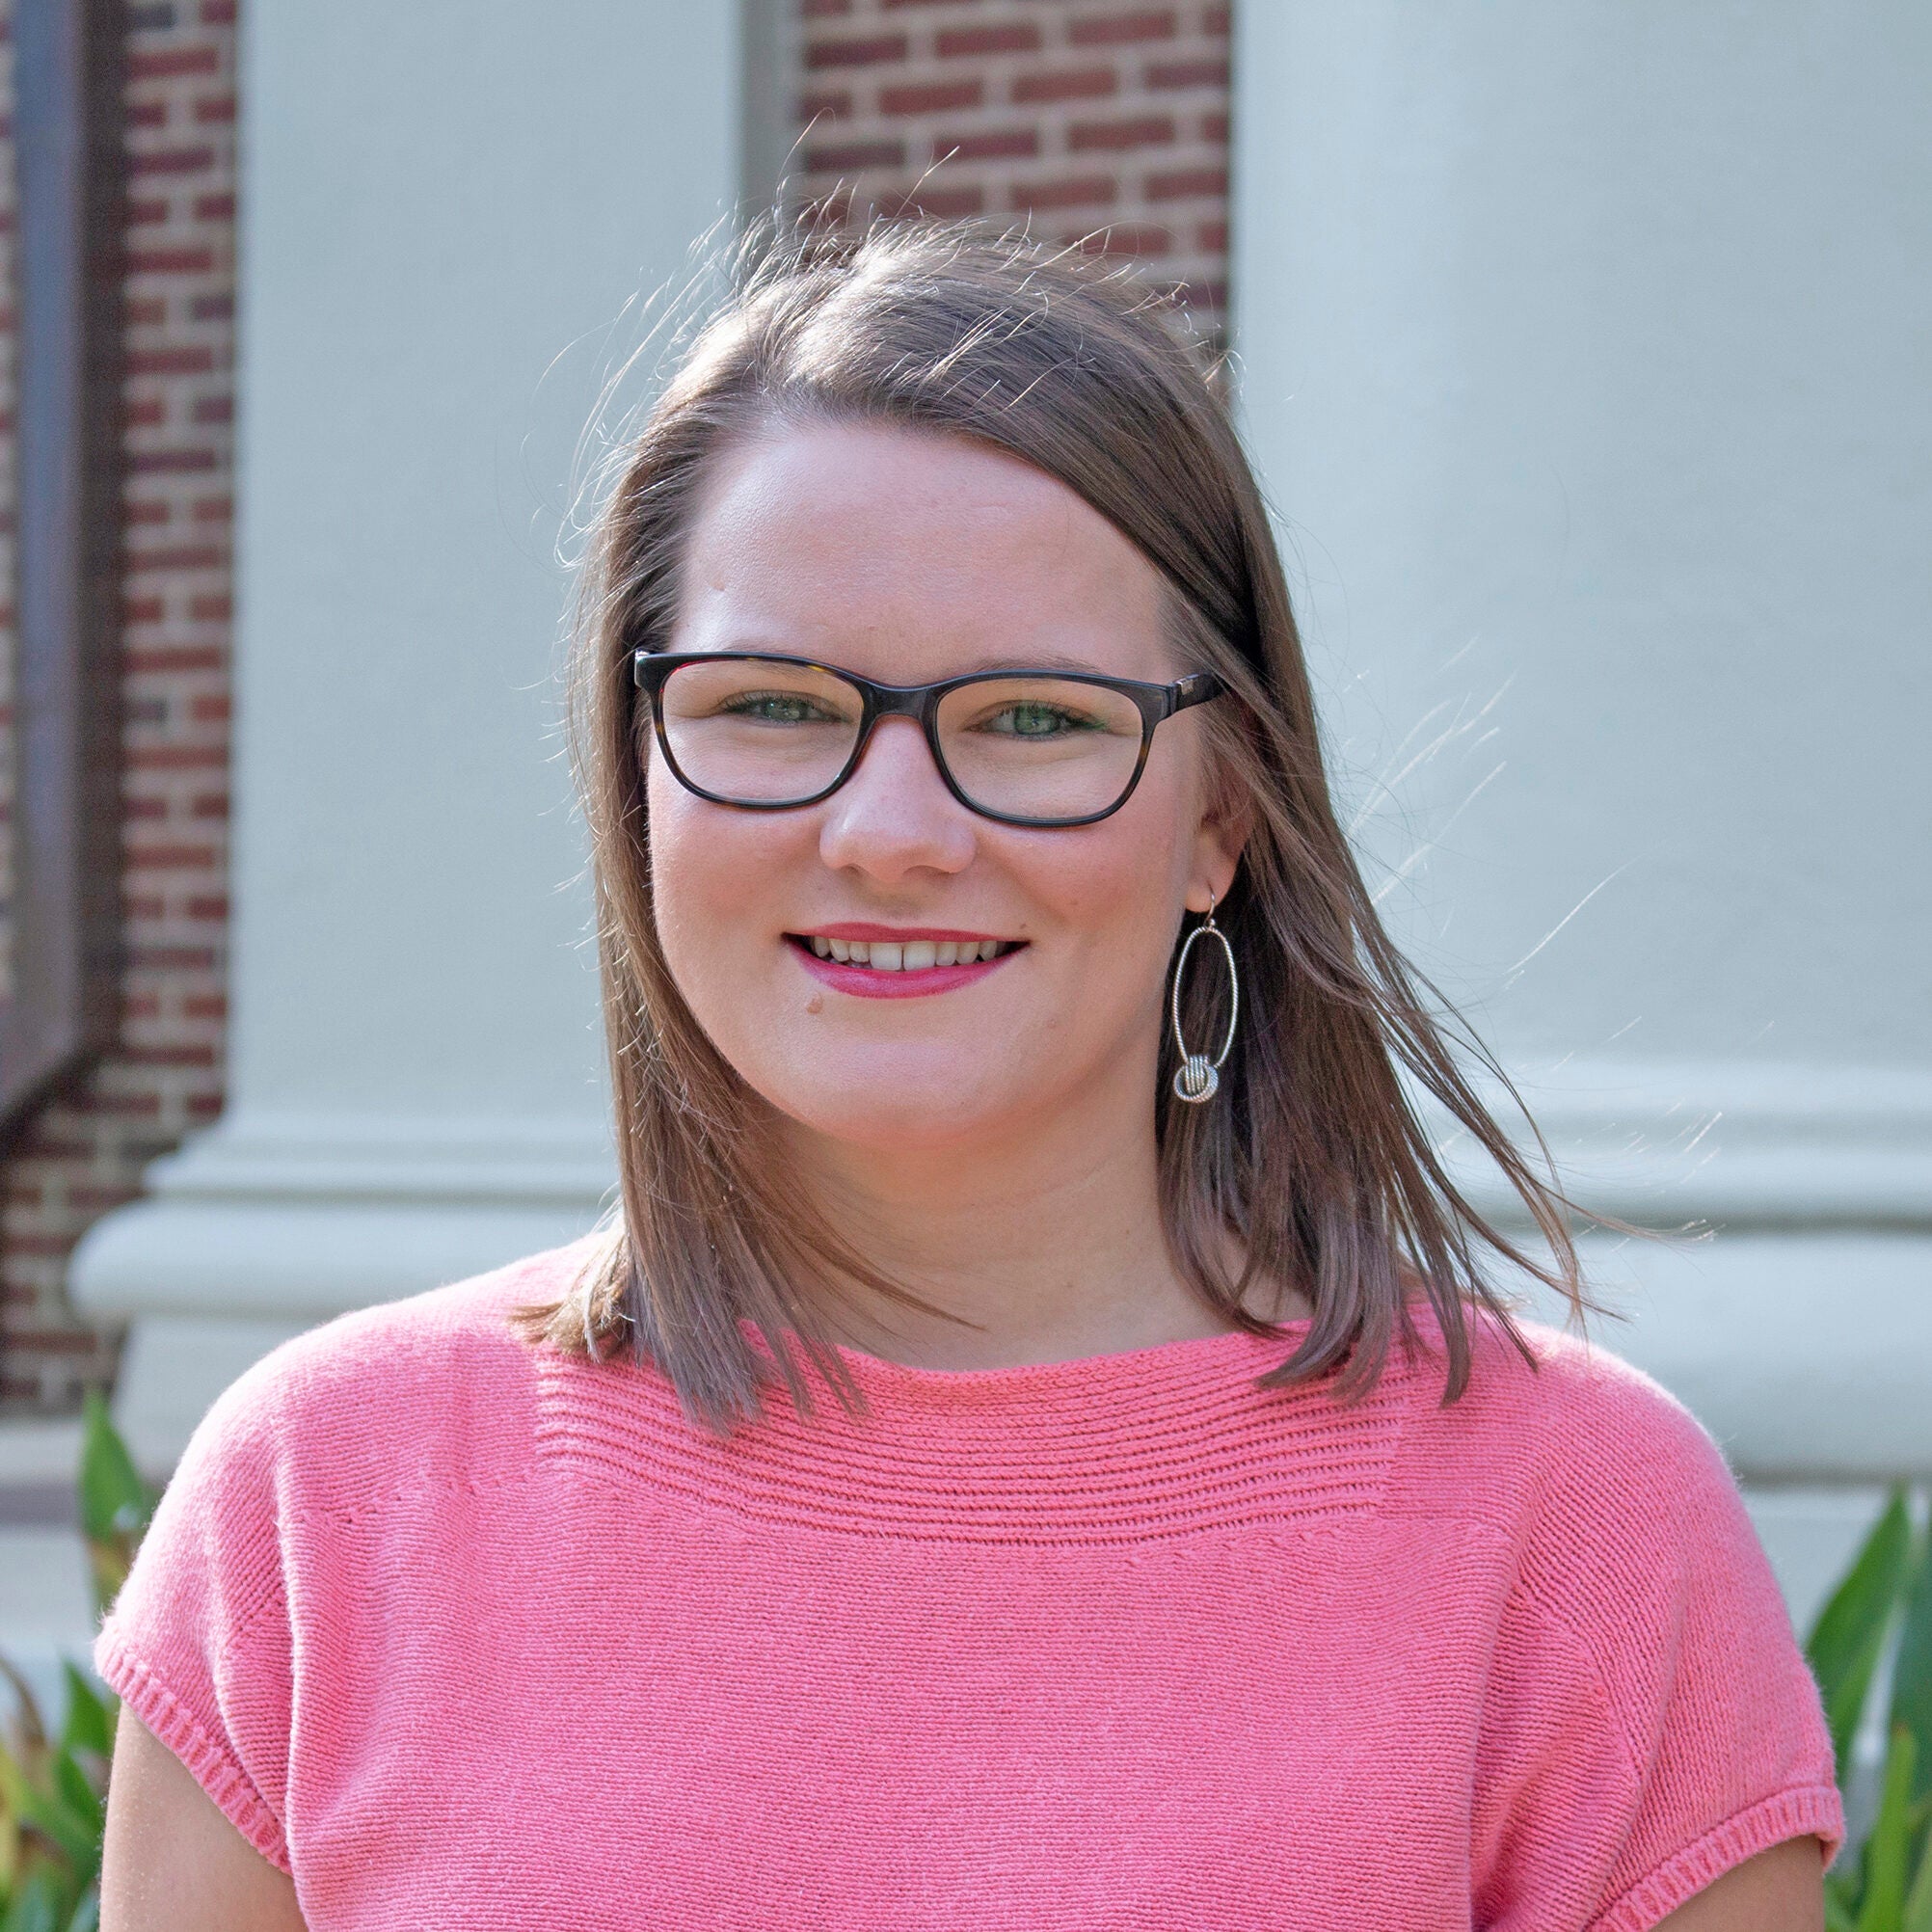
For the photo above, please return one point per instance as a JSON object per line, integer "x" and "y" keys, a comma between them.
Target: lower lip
{"x": 870, "y": 984}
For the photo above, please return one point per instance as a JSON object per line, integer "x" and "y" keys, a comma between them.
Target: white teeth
{"x": 909, "y": 955}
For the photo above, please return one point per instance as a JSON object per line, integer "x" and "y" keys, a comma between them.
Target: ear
{"x": 1218, "y": 841}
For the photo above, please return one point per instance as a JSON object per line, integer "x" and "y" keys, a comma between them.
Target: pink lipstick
{"x": 884, "y": 962}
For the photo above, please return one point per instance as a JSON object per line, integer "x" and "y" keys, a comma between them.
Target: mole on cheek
{"x": 816, "y": 1004}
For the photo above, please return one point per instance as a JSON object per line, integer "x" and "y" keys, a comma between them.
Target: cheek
{"x": 715, "y": 877}
{"x": 1108, "y": 898}
{"x": 1099, "y": 902}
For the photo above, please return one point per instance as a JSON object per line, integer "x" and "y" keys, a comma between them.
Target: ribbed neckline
{"x": 1193, "y": 1362}
{"x": 1166, "y": 1440}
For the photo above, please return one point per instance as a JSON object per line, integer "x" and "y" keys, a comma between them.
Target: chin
{"x": 891, "y": 1110}
{"x": 893, "y": 1134}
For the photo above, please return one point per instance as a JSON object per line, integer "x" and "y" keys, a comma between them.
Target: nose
{"x": 893, "y": 815}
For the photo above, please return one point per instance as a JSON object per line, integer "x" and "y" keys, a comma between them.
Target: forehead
{"x": 902, "y": 554}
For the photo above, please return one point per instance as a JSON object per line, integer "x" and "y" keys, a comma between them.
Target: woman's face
{"x": 910, "y": 557}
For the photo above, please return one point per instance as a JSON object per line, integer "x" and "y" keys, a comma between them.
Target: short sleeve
{"x": 197, "y": 1643}
{"x": 1652, "y": 1721}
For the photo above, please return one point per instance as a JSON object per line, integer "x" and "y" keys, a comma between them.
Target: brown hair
{"x": 1313, "y": 1156}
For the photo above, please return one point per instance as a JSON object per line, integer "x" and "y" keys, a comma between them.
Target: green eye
{"x": 779, "y": 708}
{"x": 1029, "y": 720}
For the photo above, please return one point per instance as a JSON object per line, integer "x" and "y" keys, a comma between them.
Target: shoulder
{"x": 1618, "y": 1525}
{"x": 1567, "y": 1448}
{"x": 1563, "y": 1400}
{"x": 1648, "y": 1718}
{"x": 384, "y": 1394}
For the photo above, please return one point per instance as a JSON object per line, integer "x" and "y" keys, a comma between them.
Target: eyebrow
{"x": 1046, "y": 660}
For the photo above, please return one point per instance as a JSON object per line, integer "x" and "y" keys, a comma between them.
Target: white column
{"x": 444, "y": 209}
{"x": 1583, "y": 351}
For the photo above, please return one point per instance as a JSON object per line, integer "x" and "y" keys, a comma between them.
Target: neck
{"x": 1049, "y": 1241}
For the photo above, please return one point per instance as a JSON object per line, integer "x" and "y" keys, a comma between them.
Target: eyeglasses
{"x": 1025, "y": 747}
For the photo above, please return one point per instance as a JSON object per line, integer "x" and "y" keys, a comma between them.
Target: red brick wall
{"x": 1082, "y": 117}
{"x": 84, "y": 1152}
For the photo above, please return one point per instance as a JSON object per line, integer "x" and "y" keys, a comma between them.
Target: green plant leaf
{"x": 1912, "y": 1667}
{"x": 113, "y": 1497}
{"x": 89, "y": 1725}
{"x": 32, "y": 1730}
{"x": 1919, "y": 1901}
{"x": 116, "y": 1506}
{"x": 78, "y": 1795}
{"x": 1890, "y": 1845}
{"x": 16, "y": 1792}
{"x": 87, "y": 1913}
{"x": 1846, "y": 1641}
{"x": 1844, "y": 1885}
{"x": 37, "y": 1906}
{"x": 75, "y": 1834}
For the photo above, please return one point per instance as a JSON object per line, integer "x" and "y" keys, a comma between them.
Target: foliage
{"x": 53, "y": 1791}
{"x": 1883, "y": 1607}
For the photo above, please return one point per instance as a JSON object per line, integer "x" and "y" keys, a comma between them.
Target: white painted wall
{"x": 1584, "y": 352}
{"x": 440, "y": 201}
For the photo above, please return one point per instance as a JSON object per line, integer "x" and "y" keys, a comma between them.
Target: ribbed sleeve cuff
{"x": 1805, "y": 1808}
{"x": 215, "y": 1767}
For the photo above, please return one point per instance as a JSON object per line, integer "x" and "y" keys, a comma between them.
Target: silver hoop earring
{"x": 1197, "y": 1077}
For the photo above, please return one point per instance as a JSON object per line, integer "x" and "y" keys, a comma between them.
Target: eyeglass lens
{"x": 761, "y": 732}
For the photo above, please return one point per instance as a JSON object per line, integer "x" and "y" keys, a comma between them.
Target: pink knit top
{"x": 462, "y": 1632}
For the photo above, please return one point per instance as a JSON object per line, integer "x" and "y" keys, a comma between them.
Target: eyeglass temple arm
{"x": 1196, "y": 688}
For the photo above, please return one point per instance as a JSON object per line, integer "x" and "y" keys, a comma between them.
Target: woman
{"x": 1038, "y": 1446}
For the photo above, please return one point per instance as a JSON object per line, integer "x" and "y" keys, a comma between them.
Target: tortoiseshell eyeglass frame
{"x": 649, "y": 670}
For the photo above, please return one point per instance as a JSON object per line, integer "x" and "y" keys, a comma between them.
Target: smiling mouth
{"x": 909, "y": 955}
